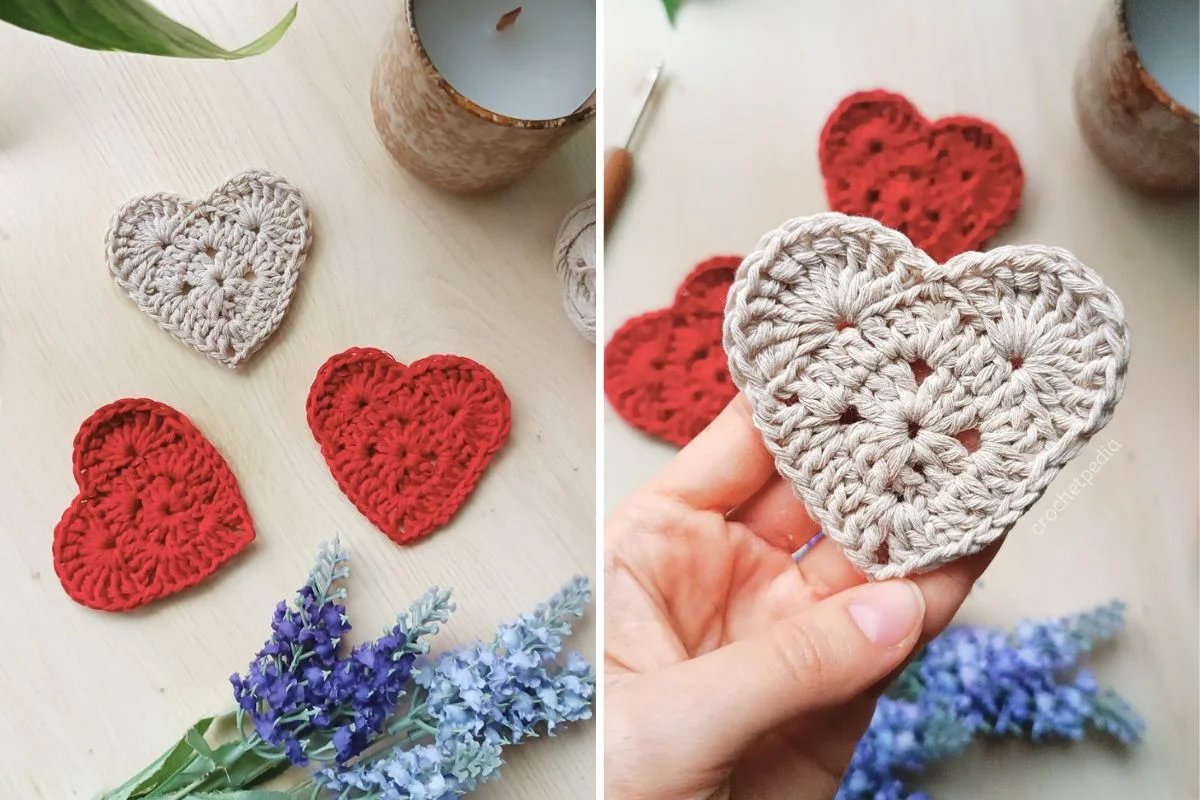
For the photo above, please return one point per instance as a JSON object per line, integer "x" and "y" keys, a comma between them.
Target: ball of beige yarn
{"x": 575, "y": 263}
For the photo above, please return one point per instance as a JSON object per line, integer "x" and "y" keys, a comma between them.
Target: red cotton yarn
{"x": 407, "y": 444}
{"x": 665, "y": 372}
{"x": 947, "y": 185}
{"x": 158, "y": 509}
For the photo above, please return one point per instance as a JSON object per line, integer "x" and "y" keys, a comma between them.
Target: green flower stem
{"x": 191, "y": 766}
{"x": 133, "y": 788}
{"x": 169, "y": 766}
{"x": 424, "y": 727}
{"x": 410, "y": 720}
{"x": 304, "y": 789}
{"x": 191, "y": 787}
{"x": 410, "y": 728}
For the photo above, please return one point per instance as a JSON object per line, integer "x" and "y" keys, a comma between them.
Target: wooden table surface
{"x": 90, "y": 698}
{"x": 730, "y": 152}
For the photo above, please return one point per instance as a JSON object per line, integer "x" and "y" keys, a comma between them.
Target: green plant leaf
{"x": 169, "y": 763}
{"x": 672, "y": 9}
{"x": 198, "y": 767}
{"x": 241, "y": 767}
{"x": 131, "y": 26}
{"x": 195, "y": 739}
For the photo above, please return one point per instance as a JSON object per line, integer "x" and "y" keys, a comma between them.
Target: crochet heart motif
{"x": 158, "y": 509}
{"x": 665, "y": 372}
{"x": 217, "y": 274}
{"x": 919, "y": 409}
{"x": 407, "y": 444}
{"x": 948, "y": 185}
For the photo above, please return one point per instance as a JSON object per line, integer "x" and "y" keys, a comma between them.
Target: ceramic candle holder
{"x": 442, "y": 136}
{"x": 1146, "y": 137}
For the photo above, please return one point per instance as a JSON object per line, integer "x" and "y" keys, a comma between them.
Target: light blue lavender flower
{"x": 441, "y": 771}
{"x": 502, "y": 692}
{"x": 473, "y": 701}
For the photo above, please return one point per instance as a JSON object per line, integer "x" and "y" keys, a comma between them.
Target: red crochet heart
{"x": 665, "y": 371}
{"x": 948, "y": 185}
{"x": 158, "y": 509}
{"x": 407, "y": 444}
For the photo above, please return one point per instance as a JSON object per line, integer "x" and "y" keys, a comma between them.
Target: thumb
{"x": 832, "y": 652}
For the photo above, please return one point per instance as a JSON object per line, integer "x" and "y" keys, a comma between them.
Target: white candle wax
{"x": 542, "y": 66}
{"x": 1165, "y": 34}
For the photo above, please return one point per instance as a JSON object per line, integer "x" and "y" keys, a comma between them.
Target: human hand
{"x": 732, "y": 671}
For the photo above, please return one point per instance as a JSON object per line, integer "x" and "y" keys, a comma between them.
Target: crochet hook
{"x": 618, "y": 161}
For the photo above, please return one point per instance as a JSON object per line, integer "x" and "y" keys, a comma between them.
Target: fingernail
{"x": 888, "y": 612}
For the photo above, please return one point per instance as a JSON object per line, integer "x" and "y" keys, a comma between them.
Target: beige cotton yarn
{"x": 575, "y": 263}
{"x": 218, "y": 274}
{"x": 919, "y": 409}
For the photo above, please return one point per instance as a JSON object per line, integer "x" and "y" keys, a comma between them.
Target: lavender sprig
{"x": 284, "y": 709}
{"x": 903, "y": 739}
{"x": 478, "y": 699}
{"x": 367, "y": 685}
{"x": 1113, "y": 715}
{"x": 441, "y": 771}
{"x": 1018, "y": 684}
{"x": 973, "y": 682}
{"x": 502, "y": 692}
{"x": 305, "y": 701}
{"x": 367, "y": 727}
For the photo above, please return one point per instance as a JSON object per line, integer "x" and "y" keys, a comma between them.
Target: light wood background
{"x": 730, "y": 152}
{"x": 89, "y": 698}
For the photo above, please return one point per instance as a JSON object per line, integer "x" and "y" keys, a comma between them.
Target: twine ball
{"x": 575, "y": 263}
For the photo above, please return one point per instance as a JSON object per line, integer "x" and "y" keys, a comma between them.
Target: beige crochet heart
{"x": 919, "y": 409}
{"x": 217, "y": 274}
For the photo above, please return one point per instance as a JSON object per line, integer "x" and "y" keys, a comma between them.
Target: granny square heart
{"x": 919, "y": 409}
{"x": 217, "y": 274}
{"x": 407, "y": 443}
{"x": 158, "y": 509}
{"x": 947, "y": 185}
{"x": 665, "y": 371}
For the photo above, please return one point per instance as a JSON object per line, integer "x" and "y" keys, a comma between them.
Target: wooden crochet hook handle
{"x": 618, "y": 165}
{"x": 618, "y": 161}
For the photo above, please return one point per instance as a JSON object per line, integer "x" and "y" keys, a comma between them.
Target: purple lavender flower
{"x": 305, "y": 701}
{"x": 904, "y": 737}
{"x": 1019, "y": 684}
{"x": 370, "y": 682}
{"x": 973, "y": 681}
{"x": 304, "y": 640}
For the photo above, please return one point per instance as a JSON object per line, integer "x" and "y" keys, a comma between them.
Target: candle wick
{"x": 508, "y": 19}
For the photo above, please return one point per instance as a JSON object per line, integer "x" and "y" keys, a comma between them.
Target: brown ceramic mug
{"x": 443, "y": 137}
{"x": 1147, "y": 138}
